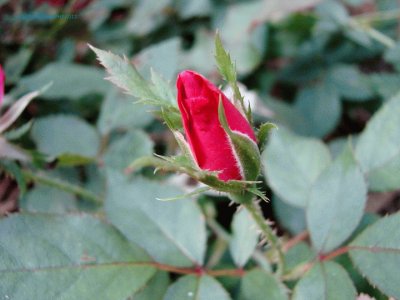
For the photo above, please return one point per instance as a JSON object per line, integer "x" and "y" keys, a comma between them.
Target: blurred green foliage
{"x": 326, "y": 72}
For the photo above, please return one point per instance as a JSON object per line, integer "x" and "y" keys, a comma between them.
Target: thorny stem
{"x": 62, "y": 185}
{"x": 256, "y": 213}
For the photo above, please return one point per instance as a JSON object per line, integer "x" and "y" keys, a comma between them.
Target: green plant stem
{"x": 255, "y": 212}
{"x": 62, "y": 185}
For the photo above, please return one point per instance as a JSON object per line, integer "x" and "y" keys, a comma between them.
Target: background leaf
{"x": 127, "y": 148}
{"x": 155, "y": 288}
{"x": 349, "y": 82}
{"x": 244, "y": 237}
{"x": 292, "y": 164}
{"x": 119, "y": 112}
{"x": 83, "y": 79}
{"x": 164, "y": 57}
{"x": 243, "y": 39}
{"x": 49, "y": 200}
{"x": 292, "y": 218}
{"x": 376, "y": 253}
{"x": 257, "y": 285}
{"x": 336, "y": 204}
{"x": 321, "y": 107}
{"x": 62, "y": 134}
{"x": 73, "y": 257}
{"x": 378, "y": 148}
{"x": 196, "y": 287}
{"x": 177, "y": 229}
{"x": 325, "y": 281}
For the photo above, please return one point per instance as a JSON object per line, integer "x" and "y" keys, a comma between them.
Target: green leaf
{"x": 177, "y": 229}
{"x": 127, "y": 148}
{"x": 297, "y": 256}
{"x": 196, "y": 287}
{"x": 162, "y": 87}
{"x": 155, "y": 289}
{"x": 164, "y": 57}
{"x": 378, "y": 148}
{"x": 244, "y": 40}
{"x": 147, "y": 16}
{"x": 386, "y": 85}
{"x": 290, "y": 217}
{"x": 48, "y": 200}
{"x": 392, "y": 56}
{"x": 321, "y": 107}
{"x": 244, "y": 237}
{"x": 286, "y": 115}
{"x": 325, "y": 281}
{"x": 337, "y": 146}
{"x": 16, "y": 64}
{"x": 118, "y": 112}
{"x": 292, "y": 164}
{"x": 65, "y": 134}
{"x": 193, "y": 8}
{"x": 124, "y": 75}
{"x": 350, "y": 82}
{"x": 336, "y": 203}
{"x": 69, "y": 257}
{"x": 259, "y": 285}
{"x": 198, "y": 57}
{"x": 70, "y": 81}
{"x": 376, "y": 253}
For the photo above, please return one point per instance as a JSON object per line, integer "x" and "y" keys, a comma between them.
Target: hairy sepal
{"x": 245, "y": 150}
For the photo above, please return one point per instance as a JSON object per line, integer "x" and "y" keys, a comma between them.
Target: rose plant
{"x": 100, "y": 216}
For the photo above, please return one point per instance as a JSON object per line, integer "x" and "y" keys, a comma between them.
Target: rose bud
{"x": 220, "y": 137}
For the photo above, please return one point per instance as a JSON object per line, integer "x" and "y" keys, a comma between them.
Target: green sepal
{"x": 183, "y": 145}
{"x": 180, "y": 164}
{"x": 228, "y": 72}
{"x": 263, "y": 132}
{"x": 171, "y": 117}
{"x": 258, "y": 193}
{"x": 188, "y": 195}
{"x": 245, "y": 149}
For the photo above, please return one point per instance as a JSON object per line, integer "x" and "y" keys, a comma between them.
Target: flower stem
{"x": 256, "y": 213}
{"x": 62, "y": 185}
